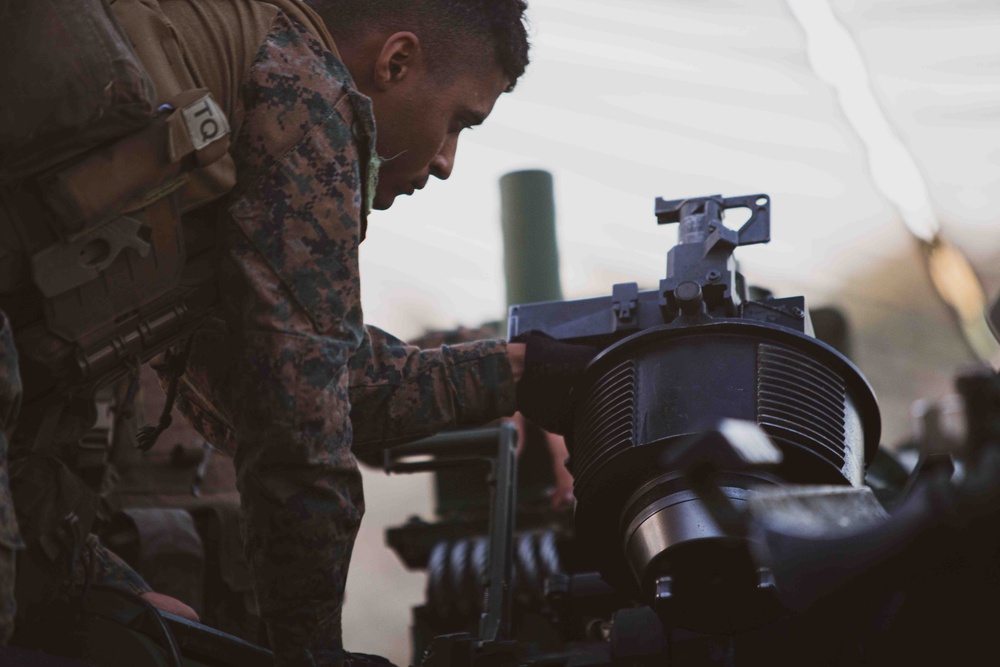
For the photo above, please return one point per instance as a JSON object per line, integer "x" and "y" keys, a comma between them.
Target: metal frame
{"x": 496, "y": 448}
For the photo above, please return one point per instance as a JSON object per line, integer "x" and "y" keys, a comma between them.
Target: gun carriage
{"x": 720, "y": 452}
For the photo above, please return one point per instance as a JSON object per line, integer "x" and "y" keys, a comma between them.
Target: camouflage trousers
{"x": 42, "y": 488}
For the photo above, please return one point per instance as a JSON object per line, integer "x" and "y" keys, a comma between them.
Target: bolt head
{"x": 688, "y": 291}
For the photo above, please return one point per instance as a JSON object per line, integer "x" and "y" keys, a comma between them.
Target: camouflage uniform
{"x": 10, "y": 538}
{"x": 289, "y": 377}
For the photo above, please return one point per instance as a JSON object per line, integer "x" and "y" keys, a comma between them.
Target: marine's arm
{"x": 400, "y": 392}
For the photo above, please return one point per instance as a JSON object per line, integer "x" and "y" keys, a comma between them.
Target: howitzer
{"x": 719, "y": 452}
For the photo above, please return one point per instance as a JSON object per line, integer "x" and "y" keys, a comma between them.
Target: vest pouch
{"x": 118, "y": 211}
{"x": 110, "y": 271}
{"x": 85, "y": 310}
{"x": 138, "y": 169}
{"x": 71, "y": 80}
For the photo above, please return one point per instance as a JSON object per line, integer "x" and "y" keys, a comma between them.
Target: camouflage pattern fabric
{"x": 103, "y": 568}
{"x": 10, "y": 537}
{"x": 399, "y": 392}
{"x": 290, "y": 377}
{"x": 463, "y": 334}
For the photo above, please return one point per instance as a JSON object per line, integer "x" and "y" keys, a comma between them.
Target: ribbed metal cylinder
{"x": 647, "y": 393}
{"x": 528, "y": 217}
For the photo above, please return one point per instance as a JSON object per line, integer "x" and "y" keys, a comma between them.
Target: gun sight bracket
{"x": 701, "y": 271}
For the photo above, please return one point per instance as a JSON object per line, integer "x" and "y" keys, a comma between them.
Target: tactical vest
{"x": 107, "y": 202}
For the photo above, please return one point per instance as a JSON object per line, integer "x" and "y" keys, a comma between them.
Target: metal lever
{"x": 496, "y": 447}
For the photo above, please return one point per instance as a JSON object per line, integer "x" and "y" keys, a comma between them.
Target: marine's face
{"x": 418, "y": 122}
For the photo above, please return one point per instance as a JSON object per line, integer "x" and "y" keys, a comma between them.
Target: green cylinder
{"x": 528, "y": 218}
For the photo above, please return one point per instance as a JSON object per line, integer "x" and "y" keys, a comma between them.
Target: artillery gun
{"x": 719, "y": 452}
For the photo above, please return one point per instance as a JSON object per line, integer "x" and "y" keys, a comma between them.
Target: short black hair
{"x": 498, "y": 23}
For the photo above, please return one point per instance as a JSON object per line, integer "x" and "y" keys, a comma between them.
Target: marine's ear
{"x": 401, "y": 56}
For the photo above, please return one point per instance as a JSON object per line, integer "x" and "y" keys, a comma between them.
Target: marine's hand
{"x": 516, "y": 353}
{"x": 173, "y": 605}
{"x": 562, "y": 493}
{"x": 551, "y": 369}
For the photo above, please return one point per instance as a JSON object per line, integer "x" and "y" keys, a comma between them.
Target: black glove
{"x": 551, "y": 369}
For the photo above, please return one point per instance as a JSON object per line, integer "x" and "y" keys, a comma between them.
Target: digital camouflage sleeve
{"x": 399, "y": 392}
{"x": 290, "y": 377}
